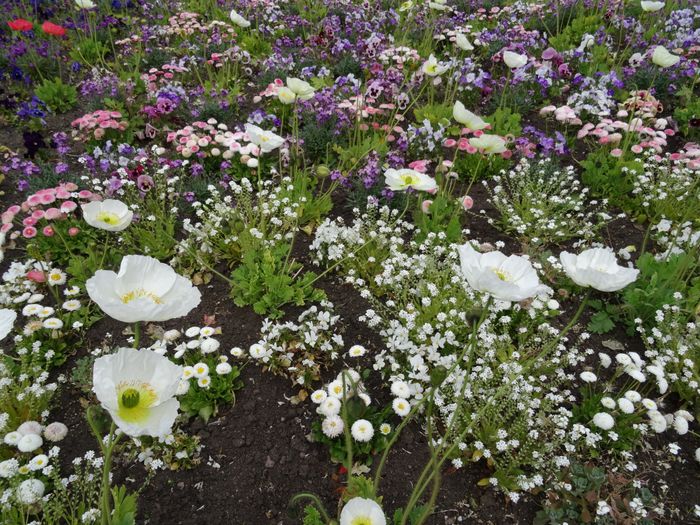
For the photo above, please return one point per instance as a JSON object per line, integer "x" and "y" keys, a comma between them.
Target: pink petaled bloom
{"x": 70, "y": 186}
{"x": 463, "y": 144}
{"x": 669, "y": 132}
{"x": 471, "y": 149}
{"x": 478, "y": 132}
{"x": 420, "y": 166}
{"x": 29, "y": 221}
{"x": 617, "y": 152}
{"x": 7, "y": 217}
{"x": 38, "y": 214}
{"x": 5, "y": 228}
{"x": 28, "y": 233}
{"x": 675, "y": 156}
{"x": 68, "y": 206}
{"x": 85, "y": 194}
{"x": 14, "y": 209}
{"x": 450, "y": 143}
{"x": 507, "y": 154}
{"x": 467, "y": 202}
{"x": 34, "y": 200}
{"x": 52, "y": 214}
{"x": 73, "y": 231}
{"x": 48, "y": 231}
{"x": 425, "y": 206}
{"x": 99, "y": 133}
{"x": 390, "y": 138}
{"x": 62, "y": 194}
{"x": 637, "y": 148}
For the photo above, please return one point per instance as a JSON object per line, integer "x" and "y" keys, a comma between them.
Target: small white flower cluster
{"x": 16, "y": 472}
{"x": 330, "y": 404}
{"x": 543, "y": 204}
{"x": 672, "y": 348}
{"x": 299, "y": 350}
{"x": 28, "y": 436}
{"x": 224, "y": 221}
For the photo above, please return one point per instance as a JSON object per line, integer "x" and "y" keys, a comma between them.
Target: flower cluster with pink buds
{"x": 211, "y": 139}
{"x": 48, "y": 205}
{"x": 96, "y": 124}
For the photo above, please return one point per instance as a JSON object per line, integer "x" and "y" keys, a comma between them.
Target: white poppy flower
{"x": 651, "y": 7}
{"x": 489, "y": 144}
{"x": 598, "y": 268}
{"x": 467, "y": 118}
{"x": 137, "y": 387}
{"x": 238, "y": 19}
{"x": 7, "y": 322}
{"x": 514, "y": 60}
{"x": 301, "y": 88}
{"x": 286, "y": 95}
{"x": 143, "y": 290}
{"x": 110, "y": 215}
{"x": 84, "y": 4}
{"x": 662, "y": 57}
{"x": 505, "y": 278}
{"x": 463, "y": 42}
{"x": 433, "y": 68}
{"x": 400, "y": 180}
{"x": 362, "y": 510}
{"x": 267, "y": 141}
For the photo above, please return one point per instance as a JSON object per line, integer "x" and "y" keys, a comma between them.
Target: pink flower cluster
{"x": 48, "y": 204}
{"x": 610, "y": 132}
{"x": 689, "y": 155}
{"x": 563, "y": 114}
{"x": 210, "y": 139}
{"x": 98, "y": 122}
{"x": 161, "y": 76}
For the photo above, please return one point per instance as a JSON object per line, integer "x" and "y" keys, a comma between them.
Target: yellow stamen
{"x": 108, "y": 218}
{"x": 140, "y": 292}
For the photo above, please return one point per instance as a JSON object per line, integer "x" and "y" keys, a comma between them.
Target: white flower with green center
{"x": 505, "y": 278}
{"x": 433, "y": 68}
{"x": 514, "y": 60}
{"x": 238, "y": 19}
{"x": 267, "y": 141}
{"x": 137, "y": 388}
{"x": 598, "y": 269}
{"x": 362, "y": 511}
{"x": 109, "y": 214}
{"x": 7, "y": 322}
{"x": 467, "y": 118}
{"x": 662, "y": 57}
{"x": 651, "y": 7}
{"x": 144, "y": 290}
{"x": 301, "y": 88}
{"x": 401, "y": 180}
{"x": 489, "y": 144}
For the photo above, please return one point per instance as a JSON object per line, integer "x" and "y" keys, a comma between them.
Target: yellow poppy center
{"x": 108, "y": 218}
{"x": 409, "y": 180}
{"x": 140, "y": 292}
{"x": 135, "y": 400}
{"x": 361, "y": 520}
{"x": 503, "y": 276}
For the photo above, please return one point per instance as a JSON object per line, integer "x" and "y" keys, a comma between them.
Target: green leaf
{"x": 600, "y": 323}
